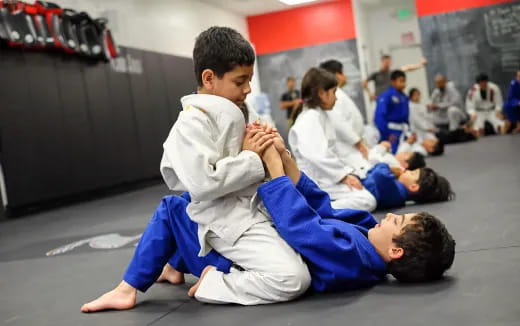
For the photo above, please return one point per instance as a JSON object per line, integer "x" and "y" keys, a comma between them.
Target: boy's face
{"x": 403, "y": 158}
{"x": 381, "y": 236}
{"x": 399, "y": 83}
{"x": 328, "y": 98}
{"x": 416, "y": 97}
{"x": 410, "y": 179}
{"x": 483, "y": 85}
{"x": 234, "y": 84}
{"x": 342, "y": 79}
{"x": 430, "y": 145}
{"x": 291, "y": 84}
{"x": 385, "y": 63}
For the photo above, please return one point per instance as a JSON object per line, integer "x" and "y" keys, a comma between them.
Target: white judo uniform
{"x": 313, "y": 142}
{"x": 347, "y": 120}
{"x": 485, "y": 109}
{"x": 203, "y": 155}
{"x": 421, "y": 121}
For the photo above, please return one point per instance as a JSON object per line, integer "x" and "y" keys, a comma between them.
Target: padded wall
{"x": 69, "y": 126}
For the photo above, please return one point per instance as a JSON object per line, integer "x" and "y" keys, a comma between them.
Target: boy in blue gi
{"x": 512, "y": 104}
{"x": 391, "y": 116}
{"x": 393, "y": 186}
{"x": 344, "y": 249}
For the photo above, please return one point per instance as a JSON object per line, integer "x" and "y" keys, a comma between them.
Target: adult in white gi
{"x": 484, "y": 103}
{"x": 203, "y": 156}
{"x": 446, "y": 104}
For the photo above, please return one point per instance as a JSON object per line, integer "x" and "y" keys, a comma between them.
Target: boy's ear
{"x": 208, "y": 77}
{"x": 414, "y": 187}
{"x": 395, "y": 252}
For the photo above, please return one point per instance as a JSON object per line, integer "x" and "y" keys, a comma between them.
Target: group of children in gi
{"x": 252, "y": 241}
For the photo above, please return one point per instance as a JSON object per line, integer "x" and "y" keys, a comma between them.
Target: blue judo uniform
{"x": 512, "y": 104}
{"x": 391, "y": 116}
{"x": 384, "y": 186}
{"x": 332, "y": 242}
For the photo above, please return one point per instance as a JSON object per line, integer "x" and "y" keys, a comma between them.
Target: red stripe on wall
{"x": 433, "y": 7}
{"x": 303, "y": 26}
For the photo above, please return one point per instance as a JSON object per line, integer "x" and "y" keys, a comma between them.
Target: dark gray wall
{"x": 69, "y": 126}
{"x": 274, "y": 69}
{"x": 462, "y": 44}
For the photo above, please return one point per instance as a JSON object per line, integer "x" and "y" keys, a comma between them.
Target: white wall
{"x": 166, "y": 26}
{"x": 379, "y": 32}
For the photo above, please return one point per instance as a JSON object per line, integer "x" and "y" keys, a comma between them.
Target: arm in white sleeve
{"x": 499, "y": 101}
{"x": 343, "y": 127}
{"x": 470, "y": 102}
{"x": 195, "y": 159}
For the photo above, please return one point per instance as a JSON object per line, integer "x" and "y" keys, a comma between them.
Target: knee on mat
{"x": 293, "y": 282}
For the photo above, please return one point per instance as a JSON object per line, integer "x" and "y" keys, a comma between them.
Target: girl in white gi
{"x": 207, "y": 155}
{"x": 484, "y": 103}
{"x": 313, "y": 142}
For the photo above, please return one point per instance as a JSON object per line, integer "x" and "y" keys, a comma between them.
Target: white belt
{"x": 397, "y": 126}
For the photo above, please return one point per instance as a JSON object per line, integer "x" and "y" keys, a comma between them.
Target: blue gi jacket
{"x": 332, "y": 242}
{"x": 392, "y": 106}
{"x": 385, "y": 187}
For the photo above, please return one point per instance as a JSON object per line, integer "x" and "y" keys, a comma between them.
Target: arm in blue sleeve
{"x": 299, "y": 224}
{"x": 387, "y": 185}
{"x": 380, "y": 117}
{"x": 319, "y": 200}
{"x": 512, "y": 101}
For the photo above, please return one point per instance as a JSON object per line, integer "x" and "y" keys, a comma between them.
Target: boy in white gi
{"x": 207, "y": 155}
{"x": 484, "y": 103}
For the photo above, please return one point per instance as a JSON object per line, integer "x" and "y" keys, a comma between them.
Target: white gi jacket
{"x": 347, "y": 120}
{"x": 421, "y": 121}
{"x": 493, "y": 102}
{"x": 203, "y": 155}
{"x": 313, "y": 142}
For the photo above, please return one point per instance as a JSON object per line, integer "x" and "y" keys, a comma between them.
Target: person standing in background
{"x": 392, "y": 111}
{"x": 381, "y": 78}
{"x": 446, "y": 105}
{"x": 291, "y": 101}
{"x": 512, "y": 105}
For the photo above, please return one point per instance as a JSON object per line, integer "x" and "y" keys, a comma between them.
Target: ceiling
{"x": 254, "y": 7}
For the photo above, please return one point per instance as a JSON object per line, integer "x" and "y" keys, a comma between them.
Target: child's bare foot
{"x": 171, "y": 275}
{"x": 121, "y": 298}
{"x": 517, "y": 129}
{"x": 194, "y": 288}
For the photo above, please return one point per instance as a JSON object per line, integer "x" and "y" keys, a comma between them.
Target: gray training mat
{"x": 482, "y": 288}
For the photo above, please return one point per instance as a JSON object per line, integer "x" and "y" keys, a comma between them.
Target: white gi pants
{"x": 272, "y": 270}
{"x": 491, "y": 116}
{"x": 345, "y": 197}
{"x": 453, "y": 116}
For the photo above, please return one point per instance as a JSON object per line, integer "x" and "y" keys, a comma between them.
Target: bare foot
{"x": 171, "y": 275}
{"x": 121, "y": 298}
{"x": 195, "y": 287}
{"x": 517, "y": 129}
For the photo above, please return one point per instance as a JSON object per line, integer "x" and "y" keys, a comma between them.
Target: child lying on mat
{"x": 343, "y": 248}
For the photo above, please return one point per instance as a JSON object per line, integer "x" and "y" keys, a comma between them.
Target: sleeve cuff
{"x": 256, "y": 169}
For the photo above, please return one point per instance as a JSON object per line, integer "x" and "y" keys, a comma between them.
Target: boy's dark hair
{"x": 386, "y": 56}
{"x": 290, "y": 78}
{"x": 412, "y": 92}
{"x": 438, "y": 150}
{"x": 333, "y": 66}
{"x": 416, "y": 161}
{"x": 429, "y": 250}
{"x": 314, "y": 80}
{"x": 482, "y": 77}
{"x": 432, "y": 188}
{"x": 397, "y": 74}
{"x": 221, "y": 49}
